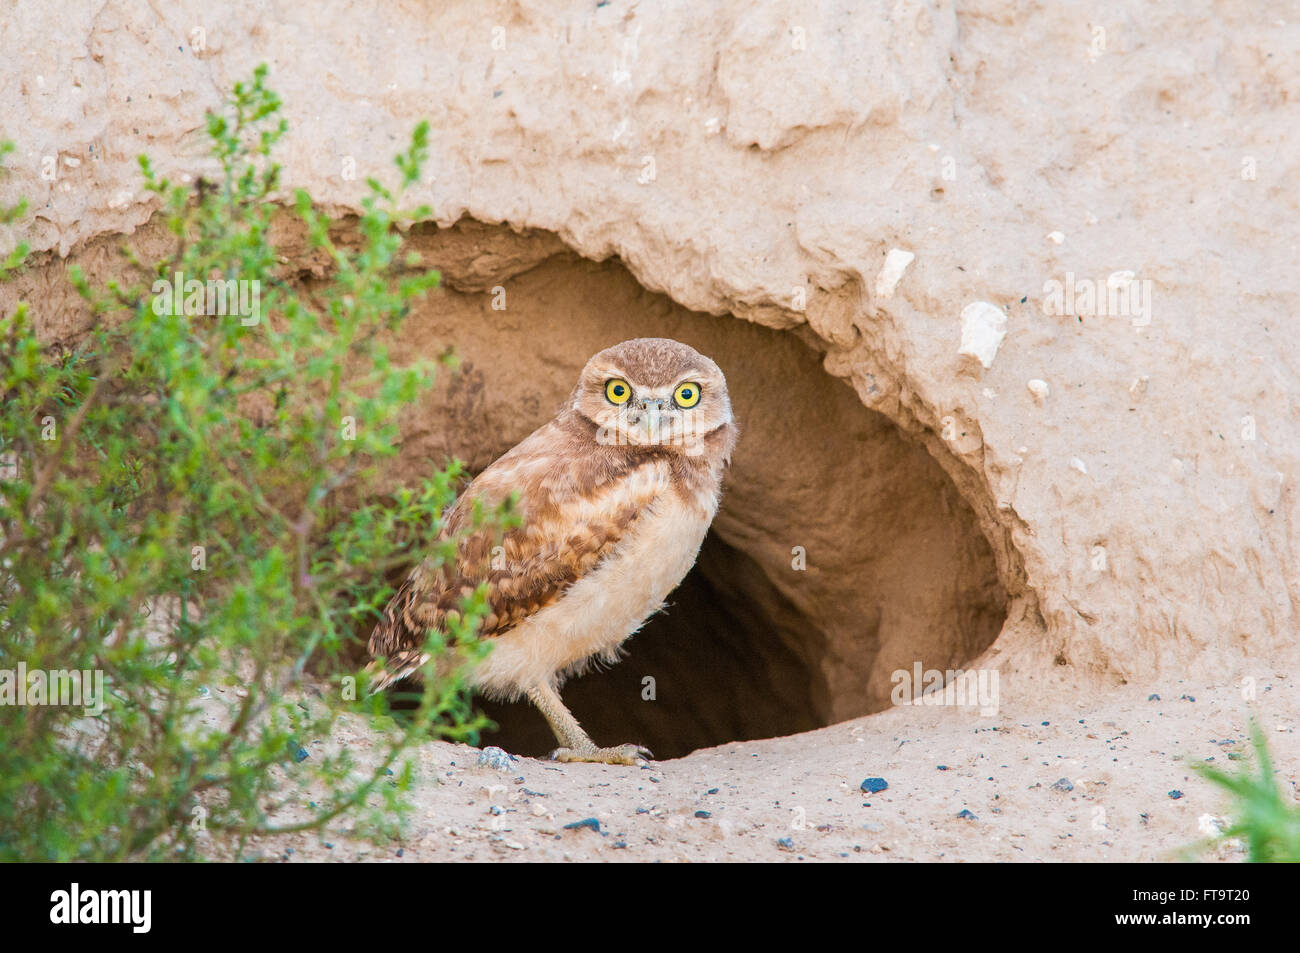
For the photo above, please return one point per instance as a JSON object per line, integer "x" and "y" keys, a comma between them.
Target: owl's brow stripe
{"x": 688, "y": 377}
{"x": 606, "y": 372}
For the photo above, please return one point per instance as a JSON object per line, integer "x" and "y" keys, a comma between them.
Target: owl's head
{"x": 653, "y": 392}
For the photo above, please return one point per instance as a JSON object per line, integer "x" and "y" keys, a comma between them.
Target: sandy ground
{"x": 1069, "y": 781}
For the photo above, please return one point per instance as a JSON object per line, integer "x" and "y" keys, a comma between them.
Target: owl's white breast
{"x": 599, "y": 611}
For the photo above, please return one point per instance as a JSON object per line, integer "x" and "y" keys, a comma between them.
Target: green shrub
{"x": 170, "y": 518}
{"x": 1262, "y": 816}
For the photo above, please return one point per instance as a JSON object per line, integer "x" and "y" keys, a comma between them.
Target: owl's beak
{"x": 652, "y": 409}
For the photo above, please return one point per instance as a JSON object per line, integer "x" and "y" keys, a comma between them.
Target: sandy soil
{"x": 1123, "y": 757}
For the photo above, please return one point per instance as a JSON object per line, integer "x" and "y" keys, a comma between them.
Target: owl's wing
{"x": 576, "y": 502}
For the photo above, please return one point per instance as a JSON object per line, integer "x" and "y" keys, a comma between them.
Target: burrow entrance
{"x": 842, "y": 551}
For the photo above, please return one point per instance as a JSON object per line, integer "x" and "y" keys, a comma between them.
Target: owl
{"x": 615, "y": 495}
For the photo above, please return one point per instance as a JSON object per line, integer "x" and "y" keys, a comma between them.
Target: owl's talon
{"x": 634, "y": 755}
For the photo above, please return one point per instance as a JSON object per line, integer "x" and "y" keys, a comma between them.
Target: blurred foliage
{"x": 170, "y": 518}
{"x": 1261, "y": 813}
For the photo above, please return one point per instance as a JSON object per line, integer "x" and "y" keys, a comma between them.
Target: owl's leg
{"x": 576, "y": 745}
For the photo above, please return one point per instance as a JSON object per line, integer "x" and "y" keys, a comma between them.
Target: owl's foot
{"x": 577, "y": 745}
{"x": 622, "y": 754}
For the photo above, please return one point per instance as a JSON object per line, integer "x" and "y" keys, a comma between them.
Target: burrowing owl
{"x": 616, "y": 494}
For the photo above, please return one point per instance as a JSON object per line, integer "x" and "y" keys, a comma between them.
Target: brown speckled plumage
{"x": 587, "y": 498}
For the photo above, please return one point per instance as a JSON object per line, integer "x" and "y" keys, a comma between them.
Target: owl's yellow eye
{"x": 617, "y": 391}
{"x": 687, "y": 395}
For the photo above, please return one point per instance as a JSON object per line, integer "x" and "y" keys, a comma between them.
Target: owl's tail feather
{"x": 397, "y": 667}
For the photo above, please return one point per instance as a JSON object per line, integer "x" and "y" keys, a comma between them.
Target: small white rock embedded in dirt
{"x": 983, "y": 326}
{"x": 1039, "y": 389}
{"x": 1079, "y": 465}
{"x": 891, "y": 272}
